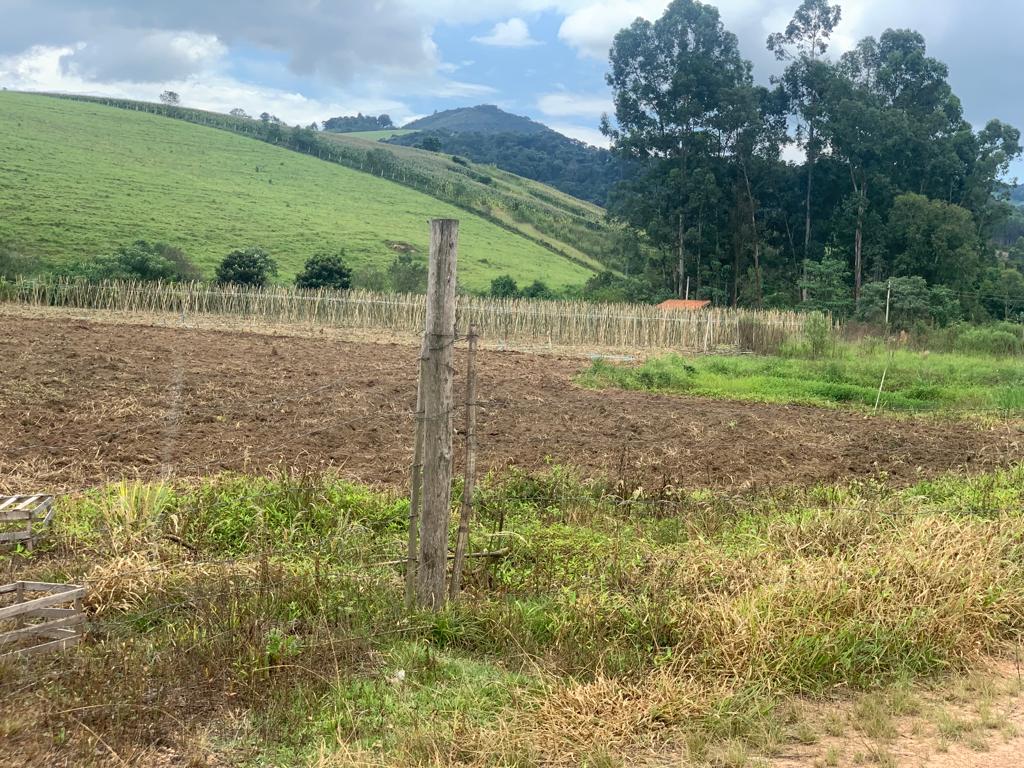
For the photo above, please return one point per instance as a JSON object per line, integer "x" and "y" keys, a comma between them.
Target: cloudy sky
{"x": 307, "y": 60}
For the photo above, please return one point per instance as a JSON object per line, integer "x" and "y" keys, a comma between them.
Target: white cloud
{"x": 584, "y": 133}
{"x": 566, "y": 104}
{"x": 514, "y": 33}
{"x": 40, "y": 69}
{"x": 338, "y": 40}
{"x": 590, "y": 29}
{"x": 454, "y": 89}
{"x": 145, "y": 56}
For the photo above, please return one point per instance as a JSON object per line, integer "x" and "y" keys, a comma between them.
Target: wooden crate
{"x": 24, "y": 518}
{"x": 45, "y": 617}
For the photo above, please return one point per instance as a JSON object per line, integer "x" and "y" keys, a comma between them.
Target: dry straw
{"x": 564, "y": 323}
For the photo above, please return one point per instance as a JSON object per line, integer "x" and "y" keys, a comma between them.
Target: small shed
{"x": 684, "y": 305}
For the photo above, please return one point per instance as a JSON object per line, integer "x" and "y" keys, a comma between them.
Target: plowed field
{"x": 82, "y": 402}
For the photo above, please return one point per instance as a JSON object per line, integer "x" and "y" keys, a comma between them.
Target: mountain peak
{"x": 483, "y": 118}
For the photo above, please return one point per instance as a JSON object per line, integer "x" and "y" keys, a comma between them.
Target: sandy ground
{"x": 976, "y": 722}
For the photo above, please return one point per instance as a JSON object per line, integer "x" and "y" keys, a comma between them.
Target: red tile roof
{"x": 689, "y": 305}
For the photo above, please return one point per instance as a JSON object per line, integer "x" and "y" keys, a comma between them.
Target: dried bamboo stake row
{"x": 469, "y": 482}
{"x": 24, "y": 518}
{"x": 568, "y": 323}
{"x": 59, "y": 611}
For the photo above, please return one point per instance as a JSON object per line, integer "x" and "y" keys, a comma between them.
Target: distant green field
{"x": 379, "y": 135}
{"x": 914, "y": 382}
{"x": 78, "y": 179}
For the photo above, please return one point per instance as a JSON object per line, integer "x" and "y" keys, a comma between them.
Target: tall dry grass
{"x": 270, "y": 610}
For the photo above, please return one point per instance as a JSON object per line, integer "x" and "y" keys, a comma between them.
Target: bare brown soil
{"x": 82, "y": 402}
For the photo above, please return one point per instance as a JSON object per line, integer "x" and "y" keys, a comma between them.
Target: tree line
{"x": 893, "y": 186}
{"x": 359, "y": 122}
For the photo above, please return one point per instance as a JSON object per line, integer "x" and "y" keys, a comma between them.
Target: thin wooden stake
{"x": 888, "y": 301}
{"x": 469, "y": 483}
{"x": 879, "y": 398}
{"x": 437, "y": 415}
{"x": 416, "y": 481}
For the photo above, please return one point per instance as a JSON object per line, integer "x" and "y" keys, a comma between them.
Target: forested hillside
{"x": 574, "y": 167}
{"x": 487, "y": 134}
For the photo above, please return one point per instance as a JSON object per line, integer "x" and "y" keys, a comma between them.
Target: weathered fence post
{"x": 462, "y": 541}
{"x": 416, "y": 480}
{"x": 437, "y": 414}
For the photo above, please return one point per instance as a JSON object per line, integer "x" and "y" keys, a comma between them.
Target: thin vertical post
{"x": 888, "y": 299}
{"x": 469, "y": 483}
{"x": 437, "y": 414}
{"x": 416, "y": 482}
{"x": 19, "y": 597}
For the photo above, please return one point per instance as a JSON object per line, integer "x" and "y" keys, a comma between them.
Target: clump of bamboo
{"x": 529, "y": 321}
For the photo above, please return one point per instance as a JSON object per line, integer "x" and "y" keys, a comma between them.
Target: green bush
{"x": 325, "y": 270}
{"x": 408, "y": 274}
{"x": 990, "y": 340}
{"x": 538, "y": 289}
{"x": 14, "y": 264}
{"x": 252, "y": 266}
{"x": 142, "y": 260}
{"x": 504, "y": 287}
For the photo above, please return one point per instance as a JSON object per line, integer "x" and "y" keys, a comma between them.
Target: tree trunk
{"x": 681, "y": 287}
{"x": 807, "y": 207}
{"x": 858, "y": 239}
{"x": 700, "y": 246}
{"x": 757, "y": 241}
{"x": 735, "y": 275}
{"x": 857, "y": 255}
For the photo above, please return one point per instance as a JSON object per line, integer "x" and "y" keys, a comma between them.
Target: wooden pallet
{"x": 24, "y": 518}
{"x": 52, "y": 621}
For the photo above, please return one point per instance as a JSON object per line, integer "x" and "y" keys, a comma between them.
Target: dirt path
{"x": 974, "y": 722}
{"x": 81, "y": 402}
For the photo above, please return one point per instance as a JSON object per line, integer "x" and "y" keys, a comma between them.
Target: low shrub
{"x": 142, "y": 260}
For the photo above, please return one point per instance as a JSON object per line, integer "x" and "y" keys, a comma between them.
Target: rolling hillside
{"x": 484, "y": 118}
{"x": 81, "y": 178}
{"x": 519, "y": 145}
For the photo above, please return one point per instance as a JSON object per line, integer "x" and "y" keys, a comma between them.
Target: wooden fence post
{"x": 416, "y": 482}
{"x": 462, "y": 541}
{"x": 437, "y": 414}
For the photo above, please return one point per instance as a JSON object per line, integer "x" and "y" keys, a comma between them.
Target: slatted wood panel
{"x": 24, "y": 518}
{"x": 39, "y": 617}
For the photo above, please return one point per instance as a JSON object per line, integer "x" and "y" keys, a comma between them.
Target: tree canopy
{"x": 325, "y": 270}
{"x": 360, "y": 122}
{"x": 892, "y": 182}
{"x": 251, "y": 266}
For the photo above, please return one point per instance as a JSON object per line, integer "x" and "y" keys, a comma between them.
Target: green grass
{"x": 379, "y": 135}
{"x": 850, "y": 378}
{"x": 80, "y": 179}
{"x": 252, "y": 617}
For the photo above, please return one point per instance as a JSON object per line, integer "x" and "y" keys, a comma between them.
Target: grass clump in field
{"x": 850, "y": 377}
{"x": 261, "y": 620}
